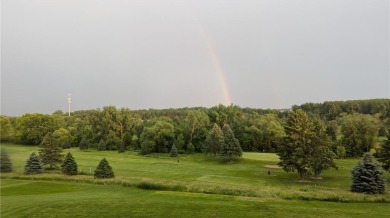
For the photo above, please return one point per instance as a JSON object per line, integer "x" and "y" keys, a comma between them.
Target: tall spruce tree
{"x": 384, "y": 153}
{"x": 69, "y": 166}
{"x": 104, "y": 170}
{"x": 367, "y": 177}
{"x": 33, "y": 165}
{"x": 214, "y": 141}
{"x": 231, "y": 146}
{"x": 50, "y": 152}
{"x": 5, "y": 162}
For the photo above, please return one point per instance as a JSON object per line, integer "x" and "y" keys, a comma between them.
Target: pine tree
{"x": 214, "y": 141}
{"x": 33, "y": 165}
{"x": 5, "y": 162}
{"x": 231, "y": 147}
{"x": 103, "y": 170}
{"x": 384, "y": 154}
{"x": 69, "y": 166}
{"x": 50, "y": 152}
{"x": 84, "y": 144}
{"x": 367, "y": 177}
{"x": 173, "y": 151}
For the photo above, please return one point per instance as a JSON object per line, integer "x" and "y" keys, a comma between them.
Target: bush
{"x": 5, "y": 162}
{"x": 69, "y": 166}
{"x": 103, "y": 170}
{"x": 33, "y": 165}
{"x": 367, "y": 178}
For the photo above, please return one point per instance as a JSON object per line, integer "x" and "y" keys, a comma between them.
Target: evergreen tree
{"x": 214, "y": 141}
{"x": 33, "y": 165}
{"x": 5, "y": 162}
{"x": 297, "y": 149}
{"x": 190, "y": 148}
{"x": 367, "y": 177}
{"x": 50, "y": 151}
{"x": 173, "y": 151}
{"x": 103, "y": 170}
{"x": 102, "y": 145}
{"x": 84, "y": 144}
{"x": 69, "y": 166}
{"x": 231, "y": 147}
{"x": 384, "y": 154}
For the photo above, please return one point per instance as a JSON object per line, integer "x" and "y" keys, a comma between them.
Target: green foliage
{"x": 84, "y": 144}
{"x": 359, "y": 133}
{"x": 5, "y": 162}
{"x": 69, "y": 166}
{"x": 113, "y": 143}
{"x": 62, "y": 137}
{"x": 50, "y": 151}
{"x": 103, "y": 170}
{"x": 102, "y": 145}
{"x": 157, "y": 136}
{"x": 367, "y": 177}
{"x": 121, "y": 146}
{"x": 6, "y": 129}
{"x": 214, "y": 141}
{"x": 179, "y": 143}
{"x": 33, "y": 165}
{"x": 173, "y": 151}
{"x": 190, "y": 148}
{"x": 384, "y": 153}
{"x": 31, "y": 128}
{"x": 231, "y": 147}
{"x": 307, "y": 148}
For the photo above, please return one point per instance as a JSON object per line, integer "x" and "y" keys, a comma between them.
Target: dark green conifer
{"x": 367, "y": 178}
{"x": 69, "y": 166}
{"x": 33, "y": 165}
{"x": 103, "y": 170}
{"x": 231, "y": 147}
{"x": 173, "y": 151}
{"x": 5, "y": 162}
{"x": 190, "y": 148}
{"x": 384, "y": 153}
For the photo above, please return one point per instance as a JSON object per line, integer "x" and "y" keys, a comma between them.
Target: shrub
{"x": 103, "y": 170}
{"x": 173, "y": 151}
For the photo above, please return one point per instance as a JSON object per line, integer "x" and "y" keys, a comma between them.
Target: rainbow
{"x": 227, "y": 99}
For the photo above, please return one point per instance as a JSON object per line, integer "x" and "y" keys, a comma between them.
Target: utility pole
{"x": 69, "y": 101}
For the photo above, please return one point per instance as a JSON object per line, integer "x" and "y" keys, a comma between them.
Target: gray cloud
{"x": 153, "y": 54}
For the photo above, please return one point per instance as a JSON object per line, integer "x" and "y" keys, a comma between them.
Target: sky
{"x": 143, "y": 54}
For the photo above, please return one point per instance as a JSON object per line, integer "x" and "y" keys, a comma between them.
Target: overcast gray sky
{"x": 168, "y": 54}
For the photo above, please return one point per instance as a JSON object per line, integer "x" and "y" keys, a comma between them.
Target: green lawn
{"x": 194, "y": 186}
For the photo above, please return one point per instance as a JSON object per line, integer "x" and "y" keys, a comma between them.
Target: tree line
{"x": 350, "y": 128}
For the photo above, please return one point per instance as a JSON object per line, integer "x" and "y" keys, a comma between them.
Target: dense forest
{"x": 350, "y": 127}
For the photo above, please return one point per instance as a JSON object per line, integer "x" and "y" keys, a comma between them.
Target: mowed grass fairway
{"x": 196, "y": 186}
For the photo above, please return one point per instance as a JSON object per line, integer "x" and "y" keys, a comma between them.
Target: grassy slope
{"x": 194, "y": 172}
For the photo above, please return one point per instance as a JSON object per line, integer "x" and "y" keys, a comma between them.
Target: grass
{"x": 159, "y": 186}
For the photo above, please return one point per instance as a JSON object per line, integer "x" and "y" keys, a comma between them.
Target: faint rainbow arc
{"x": 218, "y": 68}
